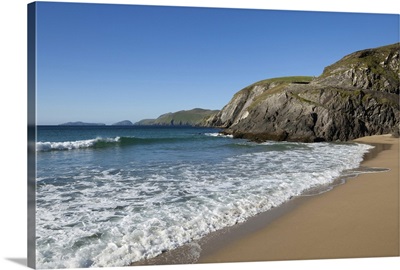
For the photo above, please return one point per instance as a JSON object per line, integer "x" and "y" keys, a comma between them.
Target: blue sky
{"x": 107, "y": 63}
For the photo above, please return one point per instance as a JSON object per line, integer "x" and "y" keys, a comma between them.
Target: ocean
{"x": 109, "y": 196}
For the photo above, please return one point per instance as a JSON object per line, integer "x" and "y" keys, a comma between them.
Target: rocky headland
{"x": 354, "y": 97}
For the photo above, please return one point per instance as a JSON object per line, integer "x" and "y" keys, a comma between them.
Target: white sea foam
{"x": 125, "y": 215}
{"x": 217, "y": 134}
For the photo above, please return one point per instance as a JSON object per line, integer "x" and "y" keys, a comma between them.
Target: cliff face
{"x": 238, "y": 108}
{"x": 375, "y": 69}
{"x": 357, "y": 96}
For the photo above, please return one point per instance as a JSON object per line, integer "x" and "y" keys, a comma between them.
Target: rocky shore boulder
{"x": 356, "y": 96}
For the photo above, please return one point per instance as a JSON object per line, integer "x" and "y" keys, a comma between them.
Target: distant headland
{"x": 194, "y": 117}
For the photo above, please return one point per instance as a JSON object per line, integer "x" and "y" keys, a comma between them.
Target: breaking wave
{"x": 100, "y": 143}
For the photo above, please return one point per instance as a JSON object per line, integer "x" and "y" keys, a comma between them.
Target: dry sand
{"x": 357, "y": 219}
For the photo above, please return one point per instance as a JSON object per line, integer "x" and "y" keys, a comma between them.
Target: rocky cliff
{"x": 356, "y": 96}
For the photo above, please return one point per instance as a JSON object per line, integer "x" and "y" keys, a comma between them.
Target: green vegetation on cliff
{"x": 376, "y": 69}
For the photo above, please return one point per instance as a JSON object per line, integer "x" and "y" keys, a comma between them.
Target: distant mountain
{"x": 123, "y": 123}
{"x": 81, "y": 124}
{"x": 194, "y": 117}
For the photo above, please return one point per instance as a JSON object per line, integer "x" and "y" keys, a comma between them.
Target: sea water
{"x": 110, "y": 196}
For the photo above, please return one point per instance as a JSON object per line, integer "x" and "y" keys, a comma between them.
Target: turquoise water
{"x": 109, "y": 196}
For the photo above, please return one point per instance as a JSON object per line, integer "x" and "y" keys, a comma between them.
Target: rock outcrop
{"x": 356, "y": 96}
{"x": 374, "y": 69}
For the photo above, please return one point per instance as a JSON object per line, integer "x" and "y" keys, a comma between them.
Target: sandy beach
{"x": 357, "y": 219}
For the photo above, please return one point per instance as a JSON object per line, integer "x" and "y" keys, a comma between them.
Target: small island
{"x": 79, "y": 123}
{"x": 123, "y": 123}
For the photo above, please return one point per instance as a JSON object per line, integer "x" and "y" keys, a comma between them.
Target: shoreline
{"x": 354, "y": 219}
